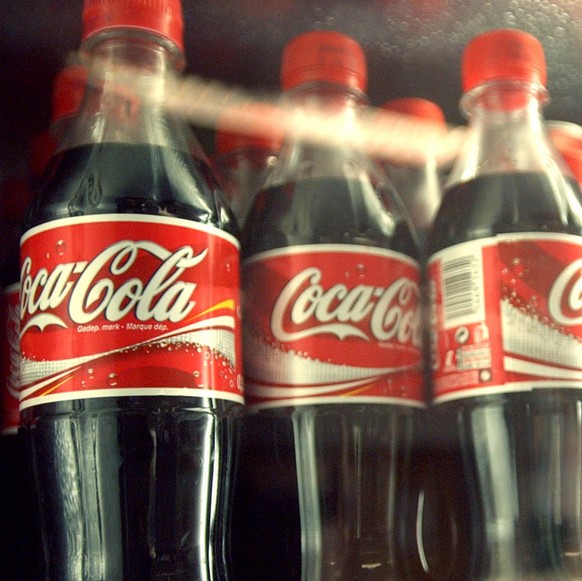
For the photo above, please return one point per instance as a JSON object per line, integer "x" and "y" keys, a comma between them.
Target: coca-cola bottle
{"x": 129, "y": 322}
{"x": 504, "y": 276}
{"x": 332, "y": 341}
{"x": 419, "y": 185}
{"x": 245, "y": 154}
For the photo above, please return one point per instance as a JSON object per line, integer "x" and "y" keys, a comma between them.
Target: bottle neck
{"x": 124, "y": 98}
{"x": 506, "y": 131}
{"x": 333, "y": 109}
{"x": 329, "y": 96}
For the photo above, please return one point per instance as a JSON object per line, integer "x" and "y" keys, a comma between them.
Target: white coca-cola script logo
{"x": 568, "y": 285}
{"x": 386, "y": 313}
{"x": 92, "y": 290}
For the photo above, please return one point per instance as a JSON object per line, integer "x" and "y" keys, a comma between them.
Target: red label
{"x": 507, "y": 315}
{"x": 115, "y": 305}
{"x": 10, "y": 417}
{"x": 332, "y": 323}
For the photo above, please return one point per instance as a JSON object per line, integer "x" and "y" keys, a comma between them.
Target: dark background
{"x": 413, "y": 48}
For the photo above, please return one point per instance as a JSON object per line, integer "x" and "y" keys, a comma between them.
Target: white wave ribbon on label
{"x": 218, "y": 333}
{"x": 535, "y": 348}
{"x": 290, "y": 368}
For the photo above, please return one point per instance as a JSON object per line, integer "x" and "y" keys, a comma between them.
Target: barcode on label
{"x": 463, "y": 296}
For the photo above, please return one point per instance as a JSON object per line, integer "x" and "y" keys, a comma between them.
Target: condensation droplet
{"x": 90, "y": 373}
{"x": 60, "y": 247}
{"x": 361, "y": 270}
{"x": 112, "y": 379}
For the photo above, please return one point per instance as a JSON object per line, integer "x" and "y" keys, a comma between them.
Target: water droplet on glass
{"x": 112, "y": 379}
{"x": 361, "y": 270}
{"x": 90, "y": 373}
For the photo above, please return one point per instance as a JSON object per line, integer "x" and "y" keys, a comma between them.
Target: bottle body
{"x": 132, "y": 487}
{"x": 508, "y": 209}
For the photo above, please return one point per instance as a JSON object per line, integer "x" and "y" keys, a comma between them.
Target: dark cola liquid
{"x": 332, "y": 473}
{"x": 132, "y": 487}
{"x": 520, "y": 450}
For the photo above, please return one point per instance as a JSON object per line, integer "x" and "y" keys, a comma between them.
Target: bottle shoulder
{"x": 505, "y": 202}
{"x": 330, "y": 210}
{"x": 128, "y": 178}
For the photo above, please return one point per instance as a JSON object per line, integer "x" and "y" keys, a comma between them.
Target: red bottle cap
{"x": 416, "y": 107}
{"x": 161, "y": 17}
{"x": 503, "y": 54}
{"x": 68, "y": 90}
{"x": 252, "y": 125}
{"x": 324, "y": 55}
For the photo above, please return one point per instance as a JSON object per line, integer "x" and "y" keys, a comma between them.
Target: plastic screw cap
{"x": 324, "y": 55}
{"x": 161, "y": 17}
{"x": 416, "y": 107}
{"x": 503, "y": 54}
{"x": 68, "y": 90}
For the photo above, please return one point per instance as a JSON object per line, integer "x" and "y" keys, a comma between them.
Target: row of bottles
{"x": 410, "y": 406}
